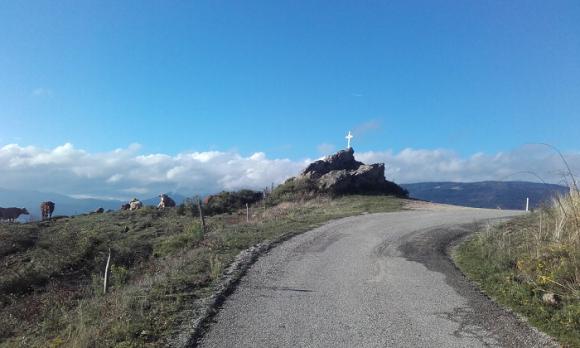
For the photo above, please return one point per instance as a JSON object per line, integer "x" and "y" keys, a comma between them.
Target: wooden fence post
{"x": 107, "y": 273}
{"x": 201, "y": 217}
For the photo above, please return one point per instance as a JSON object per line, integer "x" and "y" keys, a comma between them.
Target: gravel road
{"x": 380, "y": 280}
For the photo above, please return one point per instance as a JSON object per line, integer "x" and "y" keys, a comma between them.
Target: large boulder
{"x": 342, "y": 160}
{"x": 342, "y": 174}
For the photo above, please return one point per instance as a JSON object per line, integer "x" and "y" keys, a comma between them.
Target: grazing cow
{"x": 135, "y": 204}
{"x": 46, "y": 209}
{"x": 12, "y": 214}
{"x": 126, "y": 206}
{"x": 166, "y": 202}
{"x": 99, "y": 211}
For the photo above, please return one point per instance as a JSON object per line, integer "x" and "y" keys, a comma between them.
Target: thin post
{"x": 107, "y": 273}
{"x": 528, "y": 204}
{"x": 201, "y": 217}
{"x": 247, "y": 213}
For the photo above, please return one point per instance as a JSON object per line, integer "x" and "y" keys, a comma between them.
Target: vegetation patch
{"x": 532, "y": 265}
{"x": 229, "y": 202}
{"x": 162, "y": 266}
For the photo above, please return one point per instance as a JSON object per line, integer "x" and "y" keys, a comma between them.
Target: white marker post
{"x": 528, "y": 204}
{"x": 348, "y": 137}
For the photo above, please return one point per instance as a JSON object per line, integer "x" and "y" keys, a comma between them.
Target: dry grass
{"x": 567, "y": 220}
{"x": 522, "y": 260}
{"x": 162, "y": 266}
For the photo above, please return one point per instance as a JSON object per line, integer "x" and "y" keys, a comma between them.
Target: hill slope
{"x": 486, "y": 194}
{"x": 163, "y": 267}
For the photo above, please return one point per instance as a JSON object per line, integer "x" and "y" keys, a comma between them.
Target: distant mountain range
{"x": 486, "y": 194}
{"x": 65, "y": 205}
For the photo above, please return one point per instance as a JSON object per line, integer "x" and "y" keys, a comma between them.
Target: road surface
{"x": 380, "y": 280}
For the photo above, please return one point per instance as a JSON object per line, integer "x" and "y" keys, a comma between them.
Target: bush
{"x": 304, "y": 188}
{"x": 119, "y": 276}
{"x": 181, "y": 209}
{"x": 216, "y": 266}
{"x": 228, "y": 202}
{"x": 294, "y": 189}
{"x": 195, "y": 230}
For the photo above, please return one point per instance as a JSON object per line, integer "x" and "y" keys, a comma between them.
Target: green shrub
{"x": 180, "y": 209}
{"x": 228, "y": 202}
{"x": 294, "y": 189}
{"x": 196, "y": 231}
{"x": 119, "y": 276}
{"x": 216, "y": 266}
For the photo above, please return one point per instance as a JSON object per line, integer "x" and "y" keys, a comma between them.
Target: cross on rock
{"x": 348, "y": 137}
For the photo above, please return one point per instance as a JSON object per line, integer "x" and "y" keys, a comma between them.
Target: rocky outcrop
{"x": 342, "y": 174}
{"x": 342, "y": 160}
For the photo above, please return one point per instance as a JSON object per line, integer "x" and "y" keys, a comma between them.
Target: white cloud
{"x": 115, "y": 178}
{"x": 125, "y": 172}
{"x": 524, "y": 163}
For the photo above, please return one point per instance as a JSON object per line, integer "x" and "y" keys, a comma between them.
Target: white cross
{"x": 348, "y": 137}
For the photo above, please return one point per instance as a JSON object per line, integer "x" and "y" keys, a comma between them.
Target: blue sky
{"x": 290, "y": 78}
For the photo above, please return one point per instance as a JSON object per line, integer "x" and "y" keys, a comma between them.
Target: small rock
{"x": 551, "y": 299}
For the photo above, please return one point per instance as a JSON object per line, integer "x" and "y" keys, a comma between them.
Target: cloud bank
{"x": 528, "y": 163}
{"x": 126, "y": 172}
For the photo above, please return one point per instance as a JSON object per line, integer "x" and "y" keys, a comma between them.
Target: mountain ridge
{"x": 486, "y": 194}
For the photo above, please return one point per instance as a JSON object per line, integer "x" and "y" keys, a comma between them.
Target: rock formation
{"x": 342, "y": 174}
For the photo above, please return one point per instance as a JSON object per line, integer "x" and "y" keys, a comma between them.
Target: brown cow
{"x": 12, "y": 214}
{"x": 166, "y": 202}
{"x": 46, "y": 209}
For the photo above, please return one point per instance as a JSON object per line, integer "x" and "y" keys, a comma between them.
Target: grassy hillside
{"x": 51, "y": 279}
{"x": 486, "y": 194}
{"x": 532, "y": 264}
